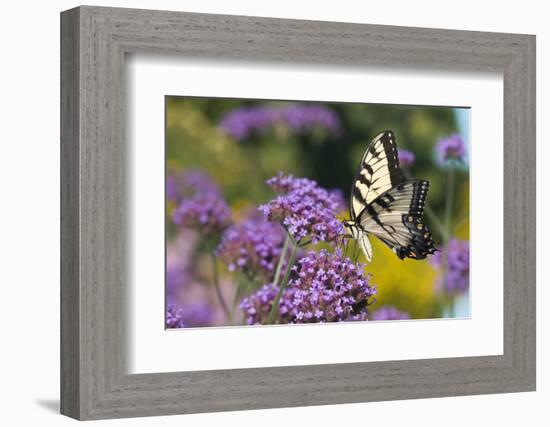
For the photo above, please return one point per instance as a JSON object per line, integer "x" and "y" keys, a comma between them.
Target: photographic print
{"x": 290, "y": 212}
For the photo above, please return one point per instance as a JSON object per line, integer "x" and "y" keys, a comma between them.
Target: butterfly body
{"x": 386, "y": 205}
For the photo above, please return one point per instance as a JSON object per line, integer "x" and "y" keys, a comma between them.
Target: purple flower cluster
{"x": 176, "y": 278}
{"x": 188, "y": 315}
{"x": 406, "y": 158}
{"x": 200, "y": 205}
{"x": 389, "y": 312}
{"x": 457, "y": 275}
{"x": 187, "y": 183}
{"x": 206, "y": 212}
{"x": 253, "y": 247}
{"x": 184, "y": 309}
{"x": 304, "y": 118}
{"x": 451, "y": 151}
{"x": 305, "y": 209}
{"x": 245, "y": 122}
{"x": 257, "y": 306}
{"x": 324, "y": 287}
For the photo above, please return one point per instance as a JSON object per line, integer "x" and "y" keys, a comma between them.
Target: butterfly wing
{"x": 395, "y": 217}
{"x": 377, "y": 173}
{"x": 365, "y": 245}
{"x": 362, "y": 239}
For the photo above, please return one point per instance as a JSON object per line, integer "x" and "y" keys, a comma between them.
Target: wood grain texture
{"x": 94, "y": 382}
{"x": 70, "y": 221}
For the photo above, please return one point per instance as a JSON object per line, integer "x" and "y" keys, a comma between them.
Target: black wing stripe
{"x": 381, "y": 202}
{"x": 364, "y": 180}
{"x": 379, "y": 165}
{"x": 393, "y": 161}
{"x": 395, "y": 217}
{"x": 358, "y": 196}
{"x": 384, "y": 166}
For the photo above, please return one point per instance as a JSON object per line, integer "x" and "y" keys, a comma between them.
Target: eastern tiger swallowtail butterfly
{"x": 387, "y": 205}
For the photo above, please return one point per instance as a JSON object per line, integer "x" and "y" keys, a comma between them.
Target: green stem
{"x": 275, "y": 307}
{"x": 451, "y": 305}
{"x": 460, "y": 222}
{"x": 219, "y": 294}
{"x": 281, "y": 261}
{"x": 449, "y": 201}
{"x": 236, "y": 297}
{"x": 435, "y": 221}
{"x": 356, "y": 253}
{"x": 447, "y": 224}
{"x": 346, "y": 248}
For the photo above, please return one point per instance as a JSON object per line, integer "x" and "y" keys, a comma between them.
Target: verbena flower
{"x": 451, "y": 151}
{"x": 184, "y": 309}
{"x": 406, "y": 158}
{"x": 205, "y": 212}
{"x": 188, "y": 315}
{"x": 389, "y": 312}
{"x": 246, "y": 122}
{"x": 323, "y": 287}
{"x": 253, "y": 247}
{"x": 257, "y": 306}
{"x": 304, "y": 118}
{"x": 186, "y": 184}
{"x": 305, "y": 209}
{"x": 176, "y": 278}
{"x": 456, "y": 277}
{"x": 174, "y": 317}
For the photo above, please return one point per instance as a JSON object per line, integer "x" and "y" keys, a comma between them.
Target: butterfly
{"x": 386, "y": 205}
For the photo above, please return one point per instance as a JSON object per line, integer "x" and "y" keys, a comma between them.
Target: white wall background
{"x": 29, "y": 224}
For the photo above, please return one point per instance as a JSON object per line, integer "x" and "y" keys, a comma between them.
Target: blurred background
{"x": 235, "y": 145}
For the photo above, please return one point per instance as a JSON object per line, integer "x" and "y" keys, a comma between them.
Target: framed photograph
{"x": 261, "y": 213}
{"x": 270, "y": 207}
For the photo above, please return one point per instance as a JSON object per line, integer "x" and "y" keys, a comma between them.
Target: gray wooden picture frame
{"x": 94, "y": 41}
